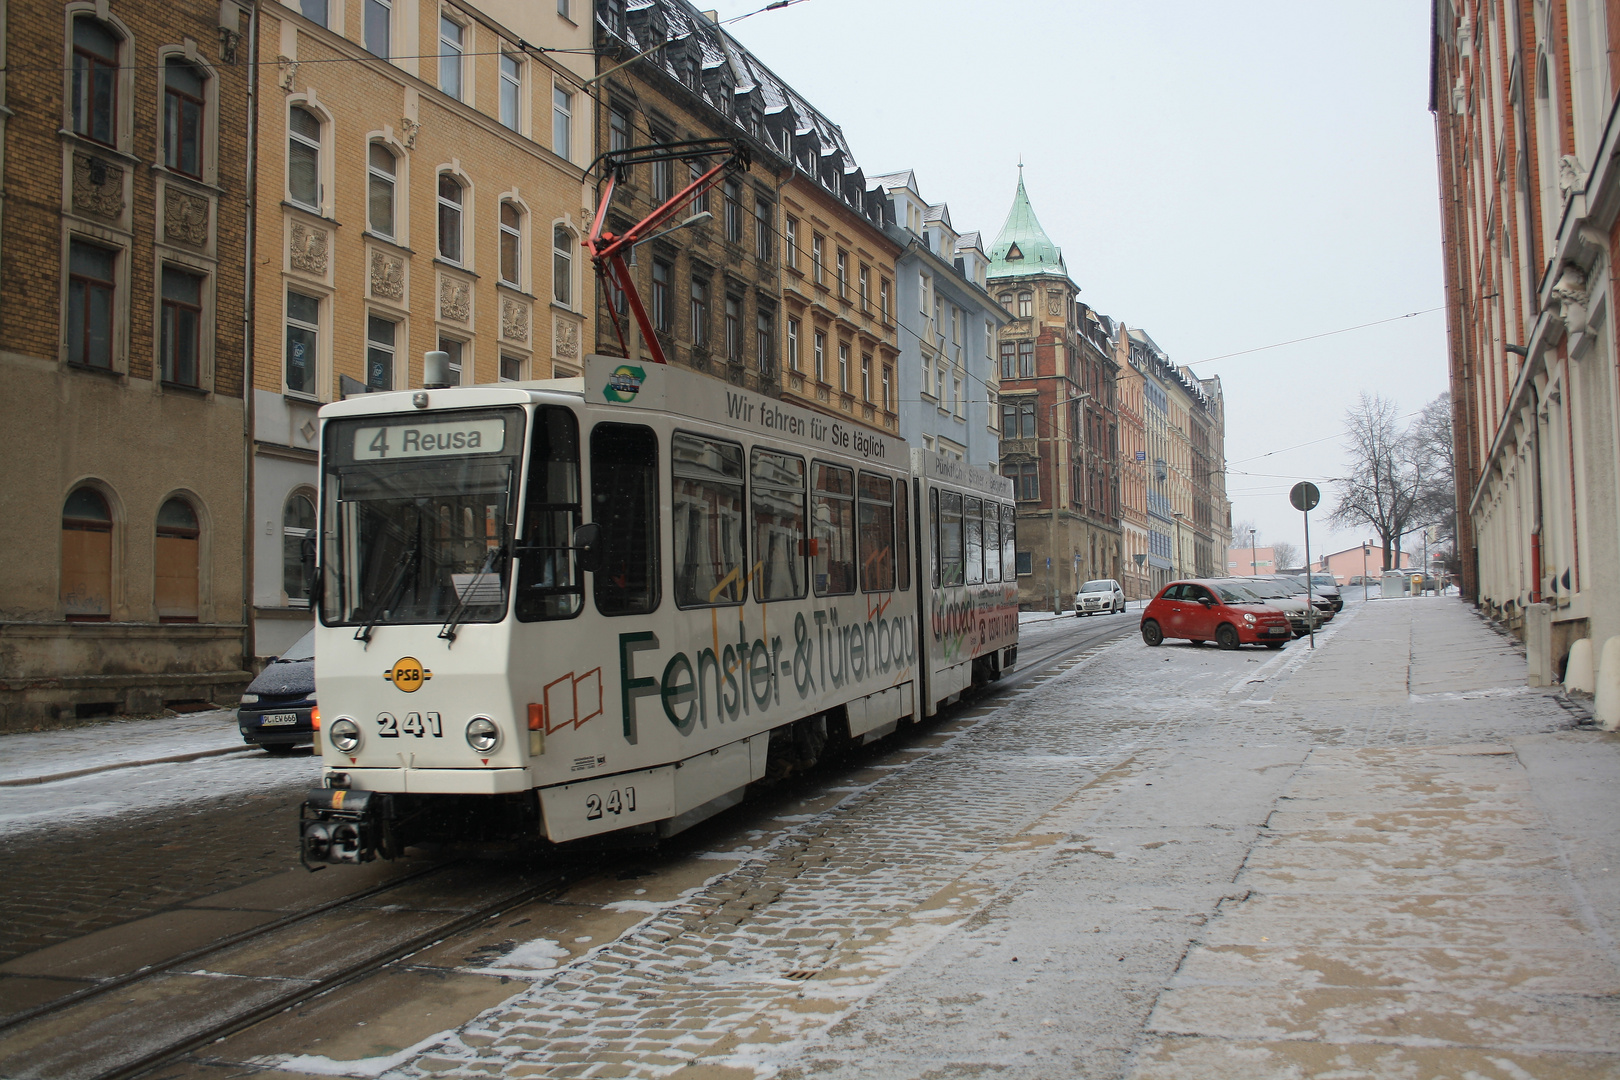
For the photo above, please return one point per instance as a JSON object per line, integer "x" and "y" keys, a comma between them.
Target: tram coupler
{"x": 339, "y": 826}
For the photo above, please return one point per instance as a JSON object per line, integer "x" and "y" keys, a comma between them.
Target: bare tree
{"x": 1432, "y": 448}
{"x": 1385, "y": 474}
{"x": 1283, "y": 554}
{"x": 1241, "y": 531}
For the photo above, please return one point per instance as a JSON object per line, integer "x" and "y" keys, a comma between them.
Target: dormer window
{"x": 1014, "y": 253}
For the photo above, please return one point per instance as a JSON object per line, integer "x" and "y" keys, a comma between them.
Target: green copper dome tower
{"x": 1023, "y": 248}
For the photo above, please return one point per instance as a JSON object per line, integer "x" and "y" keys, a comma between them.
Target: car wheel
{"x": 279, "y": 749}
{"x": 1195, "y": 641}
{"x": 1151, "y": 633}
{"x": 1275, "y": 644}
{"x": 1227, "y": 637}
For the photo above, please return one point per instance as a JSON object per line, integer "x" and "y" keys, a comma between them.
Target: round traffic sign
{"x": 1305, "y": 496}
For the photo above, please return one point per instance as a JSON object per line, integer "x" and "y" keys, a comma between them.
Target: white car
{"x": 1100, "y": 597}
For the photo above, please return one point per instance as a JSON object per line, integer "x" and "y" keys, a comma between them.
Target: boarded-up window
{"x": 176, "y": 558}
{"x": 86, "y": 557}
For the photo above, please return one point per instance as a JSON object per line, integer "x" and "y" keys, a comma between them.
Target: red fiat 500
{"x": 1212, "y": 610}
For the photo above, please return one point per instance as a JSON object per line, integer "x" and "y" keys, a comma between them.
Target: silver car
{"x": 1100, "y": 597}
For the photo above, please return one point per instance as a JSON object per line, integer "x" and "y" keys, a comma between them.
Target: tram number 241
{"x": 389, "y": 726}
{"x": 617, "y": 802}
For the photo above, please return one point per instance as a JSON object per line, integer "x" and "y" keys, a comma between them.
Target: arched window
{"x": 304, "y": 158}
{"x": 86, "y": 589}
{"x": 95, "y": 80}
{"x": 380, "y": 168}
{"x": 184, "y": 89}
{"x": 176, "y": 561}
{"x": 511, "y": 244}
{"x": 449, "y": 218}
{"x": 1026, "y": 305}
{"x": 297, "y": 527}
{"x": 562, "y": 265}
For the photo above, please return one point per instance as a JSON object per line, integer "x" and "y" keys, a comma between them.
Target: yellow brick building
{"x": 420, "y": 187}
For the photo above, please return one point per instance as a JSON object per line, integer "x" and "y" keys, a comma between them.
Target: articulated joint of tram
{"x": 337, "y": 825}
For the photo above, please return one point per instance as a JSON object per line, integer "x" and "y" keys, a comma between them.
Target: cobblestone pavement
{"x": 1016, "y": 902}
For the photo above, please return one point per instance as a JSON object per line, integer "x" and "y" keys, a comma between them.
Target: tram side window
{"x": 902, "y": 534}
{"x": 548, "y": 585}
{"x": 708, "y": 520}
{"x": 950, "y": 538}
{"x": 1009, "y": 543}
{"x": 778, "y": 493}
{"x": 992, "y": 542}
{"x": 833, "y": 508}
{"x": 877, "y": 533}
{"x": 973, "y": 530}
{"x": 624, "y": 502}
{"x": 933, "y": 535}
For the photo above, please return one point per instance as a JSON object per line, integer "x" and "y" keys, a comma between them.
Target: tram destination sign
{"x": 394, "y": 441}
{"x": 610, "y": 380}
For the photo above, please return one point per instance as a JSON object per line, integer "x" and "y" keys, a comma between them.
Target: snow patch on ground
{"x": 319, "y": 1065}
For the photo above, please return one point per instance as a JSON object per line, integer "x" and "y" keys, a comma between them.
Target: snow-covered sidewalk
{"x": 36, "y": 756}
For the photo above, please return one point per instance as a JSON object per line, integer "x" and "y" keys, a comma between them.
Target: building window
{"x": 733, "y": 209}
{"x": 175, "y": 561}
{"x": 883, "y": 299}
{"x": 700, "y": 201}
{"x": 1026, "y": 359}
{"x": 820, "y": 357}
{"x": 90, "y": 304}
{"x": 1025, "y": 563}
{"x": 956, "y": 397}
{"x": 380, "y": 172}
{"x": 1026, "y": 305}
{"x": 303, "y": 339}
{"x": 304, "y": 158}
{"x": 511, "y": 244}
{"x": 663, "y": 172}
{"x": 817, "y": 262}
{"x": 562, "y": 122}
{"x": 762, "y": 230}
{"x": 183, "y": 89}
{"x": 793, "y": 343}
{"x": 562, "y": 8}
{"x": 454, "y": 349}
{"x": 297, "y": 528}
{"x": 843, "y": 274}
{"x": 1018, "y": 419}
{"x": 95, "y": 80}
{"x": 843, "y": 367}
{"x": 316, "y": 11}
{"x": 511, "y": 91}
{"x": 451, "y": 47}
{"x": 86, "y": 586}
{"x": 562, "y": 265}
{"x": 733, "y": 328}
{"x": 449, "y": 218}
{"x": 864, "y": 281}
{"x": 762, "y": 342}
{"x": 1009, "y": 365}
{"x": 1026, "y": 482}
{"x": 866, "y": 376}
{"x": 379, "y": 14}
{"x": 888, "y": 382}
{"x": 182, "y": 327}
{"x": 618, "y": 129}
{"x": 790, "y": 243}
{"x": 380, "y": 352}
{"x": 661, "y": 274}
{"x": 512, "y": 368}
{"x": 700, "y": 312}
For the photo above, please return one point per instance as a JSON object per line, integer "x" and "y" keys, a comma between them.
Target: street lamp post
{"x": 1254, "y": 556}
{"x": 1181, "y": 562}
{"x": 1364, "y": 554}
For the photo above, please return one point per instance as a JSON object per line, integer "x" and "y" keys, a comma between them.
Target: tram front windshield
{"x": 417, "y": 516}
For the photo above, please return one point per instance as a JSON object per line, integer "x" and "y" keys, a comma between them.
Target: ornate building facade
{"x": 123, "y": 249}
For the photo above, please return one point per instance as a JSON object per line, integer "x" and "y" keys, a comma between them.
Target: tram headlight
{"x": 345, "y": 735}
{"x": 482, "y": 734}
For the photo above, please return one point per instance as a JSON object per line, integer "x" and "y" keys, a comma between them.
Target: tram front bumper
{"x": 339, "y": 825}
{"x": 438, "y": 781}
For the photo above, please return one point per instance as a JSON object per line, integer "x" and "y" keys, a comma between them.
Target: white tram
{"x": 567, "y": 608}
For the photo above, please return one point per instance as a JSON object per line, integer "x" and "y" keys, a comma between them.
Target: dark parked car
{"x": 1212, "y": 610}
{"x": 277, "y": 709}
{"x": 1326, "y": 585}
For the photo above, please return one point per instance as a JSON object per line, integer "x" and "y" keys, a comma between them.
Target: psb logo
{"x": 408, "y": 674}
{"x": 624, "y": 384}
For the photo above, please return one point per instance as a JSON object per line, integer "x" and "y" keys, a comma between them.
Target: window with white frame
{"x": 866, "y": 376}
{"x": 793, "y": 344}
{"x": 316, "y": 11}
{"x": 562, "y": 266}
{"x": 790, "y": 243}
{"x": 843, "y": 274}
{"x": 455, "y": 350}
{"x": 180, "y": 337}
{"x": 303, "y": 342}
{"x": 380, "y": 352}
{"x": 511, "y": 243}
{"x": 820, "y": 357}
{"x": 95, "y": 80}
{"x": 297, "y": 527}
{"x": 511, "y": 74}
{"x": 843, "y": 367}
{"x": 380, "y": 178}
{"x": 888, "y": 388}
{"x": 864, "y": 281}
{"x": 304, "y": 158}
{"x": 562, "y": 122}
{"x": 817, "y": 260}
{"x": 452, "y": 46}
{"x": 379, "y": 17}
{"x": 184, "y": 90}
{"x": 512, "y": 368}
{"x": 449, "y": 201}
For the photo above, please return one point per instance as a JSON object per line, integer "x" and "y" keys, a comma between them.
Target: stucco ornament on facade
{"x": 566, "y": 338}
{"x": 185, "y": 216}
{"x": 1054, "y": 302}
{"x": 286, "y": 72}
{"x": 1571, "y": 297}
{"x": 514, "y": 319}
{"x": 455, "y": 300}
{"x": 1571, "y": 177}
{"x": 98, "y": 188}
{"x": 409, "y": 130}
{"x": 307, "y": 249}
{"x": 387, "y": 275}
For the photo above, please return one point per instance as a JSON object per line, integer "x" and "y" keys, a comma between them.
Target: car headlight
{"x": 345, "y": 735}
{"x": 250, "y": 699}
{"x": 482, "y": 734}
{"x": 1248, "y": 618}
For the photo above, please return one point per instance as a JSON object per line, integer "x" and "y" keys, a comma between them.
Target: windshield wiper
{"x": 407, "y": 572}
{"x": 448, "y": 631}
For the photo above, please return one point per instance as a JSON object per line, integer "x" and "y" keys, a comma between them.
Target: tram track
{"x": 77, "y": 1037}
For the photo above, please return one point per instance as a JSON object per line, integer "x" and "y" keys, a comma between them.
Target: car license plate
{"x": 1278, "y": 630}
{"x": 278, "y": 719}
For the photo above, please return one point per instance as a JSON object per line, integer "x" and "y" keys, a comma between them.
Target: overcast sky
{"x": 1222, "y": 176}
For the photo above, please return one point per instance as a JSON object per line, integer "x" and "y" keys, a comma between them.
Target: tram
{"x": 561, "y": 609}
